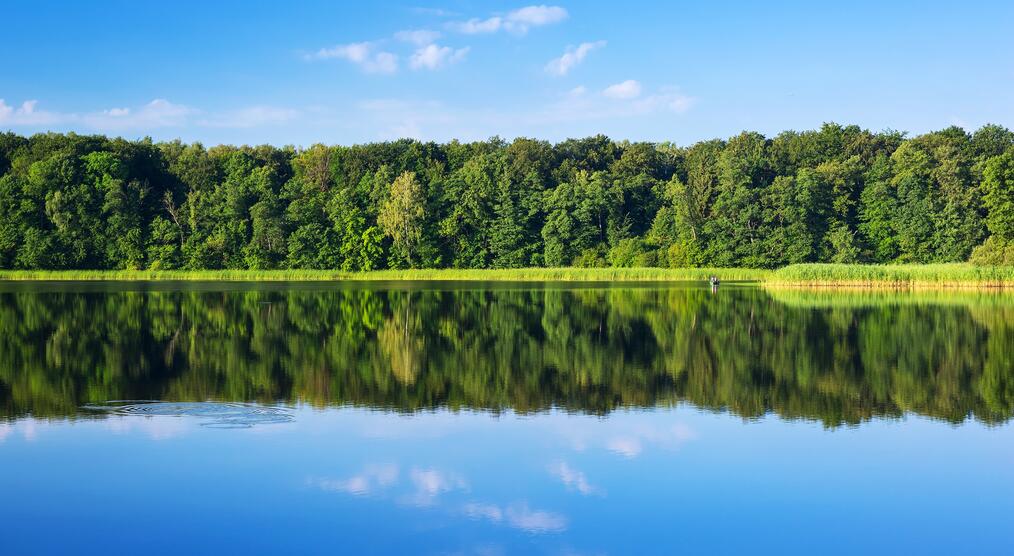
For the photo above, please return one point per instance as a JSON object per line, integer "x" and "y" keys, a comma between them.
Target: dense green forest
{"x": 840, "y": 194}
{"x": 833, "y": 358}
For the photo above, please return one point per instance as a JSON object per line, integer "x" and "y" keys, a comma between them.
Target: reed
{"x": 949, "y": 275}
{"x": 902, "y": 276}
{"x": 503, "y": 275}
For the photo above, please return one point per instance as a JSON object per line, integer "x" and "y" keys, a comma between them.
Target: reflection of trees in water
{"x": 401, "y": 341}
{"x": 589, "y": 350}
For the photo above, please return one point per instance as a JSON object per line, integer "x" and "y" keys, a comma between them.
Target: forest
{"x": 838, "y": 194}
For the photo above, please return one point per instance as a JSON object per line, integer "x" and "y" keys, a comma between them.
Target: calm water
{"x": 503, "y": 419}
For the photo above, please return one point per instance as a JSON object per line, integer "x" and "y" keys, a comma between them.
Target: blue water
{"x": 667, "y": 481}
{"x": 664, "y": 420}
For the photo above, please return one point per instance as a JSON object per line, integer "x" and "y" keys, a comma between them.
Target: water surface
{"x": 471, "y": 418}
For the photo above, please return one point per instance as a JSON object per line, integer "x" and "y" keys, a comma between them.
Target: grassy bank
{"x": 951, "y": 275}
{"x": 505, "y": 275}
{"x": 958, "y": 275}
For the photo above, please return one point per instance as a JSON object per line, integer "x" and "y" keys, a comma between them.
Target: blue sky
{"x": 337, "y": 72}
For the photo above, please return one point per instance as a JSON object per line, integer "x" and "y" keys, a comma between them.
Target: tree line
{"x": 837, "y": 194}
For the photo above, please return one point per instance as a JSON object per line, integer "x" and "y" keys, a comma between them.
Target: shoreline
{"x": 811, "y": 276}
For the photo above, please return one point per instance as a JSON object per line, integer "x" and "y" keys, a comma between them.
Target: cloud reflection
{"x": 155, "y": 427}
{"x": 572, "y": 478}
{"x": 373, "y": 479}
{"x": 629, "y": 440}
{"x": 518, "y": 516}
{"x": 430, "y": 484}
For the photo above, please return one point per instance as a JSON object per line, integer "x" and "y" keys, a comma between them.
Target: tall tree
{"x": 401, "y": 216}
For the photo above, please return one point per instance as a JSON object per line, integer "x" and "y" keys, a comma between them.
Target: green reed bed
{"x": 506, "y": 275}
{"x": 954, "y": 275}
{"x": 902, "y": 275}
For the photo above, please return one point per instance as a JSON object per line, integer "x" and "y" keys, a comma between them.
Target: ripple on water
{"x": 223, "y": 415}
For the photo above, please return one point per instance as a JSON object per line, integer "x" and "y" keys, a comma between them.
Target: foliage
{"x": 839, "y": 194}
{"x": 832, "y": 358}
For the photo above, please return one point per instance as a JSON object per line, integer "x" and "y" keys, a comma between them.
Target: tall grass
{"x": 954, "y": 275}
{"x": 902, "y": 275}
{"x": 506, "y": 275}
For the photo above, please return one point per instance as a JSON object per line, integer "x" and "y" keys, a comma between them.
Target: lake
{"x": 503, "y": 418}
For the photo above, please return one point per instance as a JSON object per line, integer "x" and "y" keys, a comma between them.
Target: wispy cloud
{"x": 430, "y": 484}
{"x": 572, "y": 57}
{"x": 363, "y": 54}
{"x": 572, "y": 478}
{"x": 518, "y": 21}
{"x": 626, "y": 446}
{"x": 419, "y": 37}
{"x": 434, "y": 56}
{"x": 624, "y": 90}
{"x": 477, "y": 26}
{"x": 534, "y": 16}
{"x": 157, "y": 114}
{"x": 435, "y": 12}
{"x": 156, "y": 427}
{"x": 26, "y": 114}
{"x": 535, "y": 521}
{"x": 370, "y": 480}
{"x": 631, "y": 444}
{"x": 519, "y": 516}
{"x": 671, "y": 100}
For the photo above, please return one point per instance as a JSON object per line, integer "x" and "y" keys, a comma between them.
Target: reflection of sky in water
{"x": 352, "y": 481}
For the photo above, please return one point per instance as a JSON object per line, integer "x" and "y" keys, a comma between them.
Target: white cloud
{"x": 631, "y": 444}
{"x": 624, "y": 90}
{"x": 419, "y": 37}
{"x": 625, "y": 446}
{"x": 518, "y": 21}
{"x": 519, "y": 516}
{"x": 667, "y": 100}
{"x": 572, "y": 57}
{"x": 435, "y": 12}
{"x": 373, "y": 478}
{"x": 157, "y": 113}
{"x": 492, "y": 512}
{"x": 572, "y": 478}
{"x": 27, "y": 114}
{"x": 157, "y": 427}
{"x": 535, "y": 521}
{"x": 430, "y": 484}
{"x": 578, "y": 91}
{"x": 433, "y": 56}
{"x": 363, "y": 54}
{"x": 477, "y": 26}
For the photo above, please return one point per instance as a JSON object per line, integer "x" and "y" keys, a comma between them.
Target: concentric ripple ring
{"x": 226, "y": 415}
